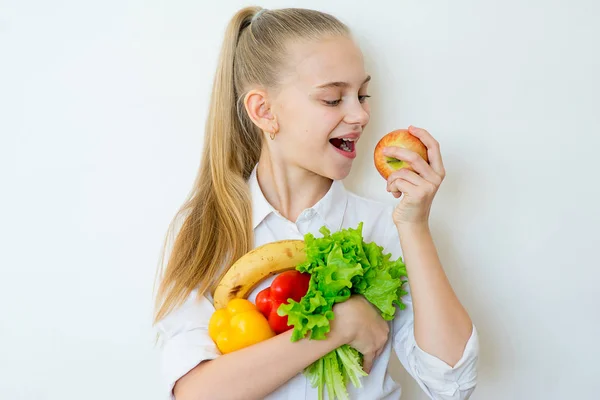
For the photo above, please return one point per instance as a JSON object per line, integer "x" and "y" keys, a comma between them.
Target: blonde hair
{"x": 216, "y": 227}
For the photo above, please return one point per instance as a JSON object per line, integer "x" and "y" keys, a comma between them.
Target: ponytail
{"x": 216, "y": 218}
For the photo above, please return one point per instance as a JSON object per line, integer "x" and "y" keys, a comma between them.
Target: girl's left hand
{"x": 419, "y": 186}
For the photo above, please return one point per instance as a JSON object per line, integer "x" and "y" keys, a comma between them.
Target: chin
{"x": 339, "y": 173}
{"x": 328, "y": 168}
{"x": 338, "y": 177}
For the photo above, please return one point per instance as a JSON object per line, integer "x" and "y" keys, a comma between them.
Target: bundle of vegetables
{"x": 312, "y": 275}
{"x": 342, "y": 264}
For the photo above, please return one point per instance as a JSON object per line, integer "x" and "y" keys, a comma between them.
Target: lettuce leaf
{"x": 342, "y": 264}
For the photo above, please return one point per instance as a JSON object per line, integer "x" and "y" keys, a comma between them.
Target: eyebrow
{"x": 340, "y": 84}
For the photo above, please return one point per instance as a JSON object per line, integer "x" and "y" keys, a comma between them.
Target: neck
{"x": 290, "y": 189}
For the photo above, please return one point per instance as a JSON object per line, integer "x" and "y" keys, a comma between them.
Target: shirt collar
{"x": 331, "y": 207}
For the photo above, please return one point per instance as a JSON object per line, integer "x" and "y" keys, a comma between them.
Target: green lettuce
{"x": 342, "y": 264}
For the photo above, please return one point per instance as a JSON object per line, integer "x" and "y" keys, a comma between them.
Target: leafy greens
{"x": 342, "y": 264}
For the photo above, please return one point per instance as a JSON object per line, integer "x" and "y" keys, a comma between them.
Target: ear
{"x": 260, "y": 111}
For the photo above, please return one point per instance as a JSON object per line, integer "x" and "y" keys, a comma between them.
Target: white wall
{"x": 102, "y": 106}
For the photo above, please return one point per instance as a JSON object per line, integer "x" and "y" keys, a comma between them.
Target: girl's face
{"x": 322, "y": 99}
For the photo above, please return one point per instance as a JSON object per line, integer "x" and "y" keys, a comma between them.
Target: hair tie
{"x": 258, "y": 14}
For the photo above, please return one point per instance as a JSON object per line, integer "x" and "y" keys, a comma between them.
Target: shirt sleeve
{"x": 438, "y": 380}
{"x": 184, "y": 340}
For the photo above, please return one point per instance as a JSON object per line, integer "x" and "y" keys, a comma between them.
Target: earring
{"x": 275, "y": 129}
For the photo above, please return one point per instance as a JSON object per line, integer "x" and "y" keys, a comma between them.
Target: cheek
{"x": 313, "y": 127}
{"x": 367, "y": 109}
{"x": 330, "y": 114}
{"x": 307, "y": 123}
{"x": 328, "y": 119}
{"x": 317, "y": 127}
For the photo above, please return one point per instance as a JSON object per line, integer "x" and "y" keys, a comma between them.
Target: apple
{"x": 400, "y": 138}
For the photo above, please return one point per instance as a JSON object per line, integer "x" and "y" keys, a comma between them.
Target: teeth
{"x": 348, "y": 140}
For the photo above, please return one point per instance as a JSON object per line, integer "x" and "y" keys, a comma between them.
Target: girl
{"x": 289, "y": 87}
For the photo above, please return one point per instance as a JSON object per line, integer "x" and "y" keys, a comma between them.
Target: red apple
{"x": 399, "y": 138}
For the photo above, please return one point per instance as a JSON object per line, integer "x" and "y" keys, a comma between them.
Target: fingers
{"x": 380, "y": 343}
{"x": 407, "y": 175}
{"x": 369, "y": 358}
{"x": 399, "y": 186}
{"x": 383, "y": 339}
{"x": 417, "y": 162}
{"x": 417, "y": 192}
{"x": 408, "y": 182}
{"x": 368, "y": 362}
{"x": 433, "y": 149}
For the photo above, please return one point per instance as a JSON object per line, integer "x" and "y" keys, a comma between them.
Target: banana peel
{"x": 255, "y": 266}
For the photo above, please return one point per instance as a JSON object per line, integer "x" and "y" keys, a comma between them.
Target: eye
{"x": 333, "y": 103}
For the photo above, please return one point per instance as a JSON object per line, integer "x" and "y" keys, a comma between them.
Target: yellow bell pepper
{"x": 238, "y": 325}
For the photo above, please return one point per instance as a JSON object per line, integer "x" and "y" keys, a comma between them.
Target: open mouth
{"x": 342, "y": 144}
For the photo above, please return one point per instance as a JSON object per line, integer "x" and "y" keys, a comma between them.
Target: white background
{"x": 102, "y": 108}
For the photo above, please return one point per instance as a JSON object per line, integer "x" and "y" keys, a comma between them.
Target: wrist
{"x": 340, "y": 338}
{"x": 340, "y": 333}
{"x": 413, "y": 227}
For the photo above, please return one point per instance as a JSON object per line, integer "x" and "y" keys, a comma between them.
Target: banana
{"x": 255, "y": 266}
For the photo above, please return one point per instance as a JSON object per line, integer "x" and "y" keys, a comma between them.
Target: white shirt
{"x": 184, "y": 331}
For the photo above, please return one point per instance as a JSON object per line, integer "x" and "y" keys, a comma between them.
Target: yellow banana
{"x": 255, "y": 266}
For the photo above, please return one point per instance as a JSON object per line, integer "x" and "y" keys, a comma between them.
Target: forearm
{"x": 442, "y": 325}
{"x": 255, "y": 371}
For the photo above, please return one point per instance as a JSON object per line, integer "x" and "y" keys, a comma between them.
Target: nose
{"x": 358, "y": 113}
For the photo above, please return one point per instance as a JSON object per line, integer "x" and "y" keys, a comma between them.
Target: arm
{"x": 442, "y": 326}
{"x": 436, "y": 340}
{"x": 438, "y": 379}
{"x": 195, "y": 370}
{"x": 256, "y": 370}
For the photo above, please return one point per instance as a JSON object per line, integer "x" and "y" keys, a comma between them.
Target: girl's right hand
{"x": 361, "y": 326}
